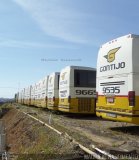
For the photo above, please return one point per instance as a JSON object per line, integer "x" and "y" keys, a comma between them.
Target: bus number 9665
{"x": 85, "y": 92}
{"x": 111, "y": 89}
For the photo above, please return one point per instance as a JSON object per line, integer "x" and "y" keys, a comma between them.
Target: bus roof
{"x": 79, "y": 67}
{"x": 119, "y": 56}
{"x": 120, "y": 38}
{"x": 54, "y": 73}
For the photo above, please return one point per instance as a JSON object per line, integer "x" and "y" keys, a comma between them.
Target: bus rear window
{"x": 84, "y": 78}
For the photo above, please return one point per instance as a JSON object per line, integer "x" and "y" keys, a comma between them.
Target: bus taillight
{"x": 96, "y": 96}
{"x": 131, "y": 98}
{"x": 69, "y": 99}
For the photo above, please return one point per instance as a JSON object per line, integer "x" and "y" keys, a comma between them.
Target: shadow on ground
{"x": 133, "y": 130}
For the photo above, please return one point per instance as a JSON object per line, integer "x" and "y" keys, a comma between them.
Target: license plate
{"x": 110, "y": 100}
{"x": 111, "y": 115}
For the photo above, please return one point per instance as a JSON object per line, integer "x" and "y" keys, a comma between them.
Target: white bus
{"x": 27, "y": 95}
{"x": 38, "y": 95}
{"x": 16, "y": 97}
{"x": 21, "y": 97}
{"x": 44, "y": 90}
{"x": 53, "y": 91}
{"x": 77, "y": 89}
{"x": 32, "y": 95}
{"x": 118, "y": 80}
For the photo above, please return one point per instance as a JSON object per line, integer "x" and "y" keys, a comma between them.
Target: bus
{"x": 44, "y": 90}
{"x": 118, "y": 80}
{"x": 21, "y": 96}
{"x": 77, "y": 90}
{"x": 32, "y": 95}
{"x": 53, "y": 91}
{"x": 38, "y": 93}
{"x": 16, "y": 97}
{"x": 27, "y": 96}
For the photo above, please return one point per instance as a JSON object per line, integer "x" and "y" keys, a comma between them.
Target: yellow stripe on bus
{"x": 77, "y": 105}
{"x": 119, "y": 110}
{"x": 53, "y": 105}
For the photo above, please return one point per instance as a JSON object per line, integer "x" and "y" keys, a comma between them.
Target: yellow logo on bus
{"x": 111, "y": 54}
{"x": 63, "y": 75}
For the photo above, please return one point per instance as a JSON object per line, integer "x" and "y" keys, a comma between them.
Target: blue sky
{"x": 38, "y": 37}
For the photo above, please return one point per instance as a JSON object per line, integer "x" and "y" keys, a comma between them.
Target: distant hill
{"x": 4, "y": 100}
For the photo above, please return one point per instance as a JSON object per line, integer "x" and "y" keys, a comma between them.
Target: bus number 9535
{"x": 111, "y": 89}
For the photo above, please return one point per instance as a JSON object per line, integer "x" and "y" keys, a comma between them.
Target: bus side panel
{"x": 53, "y": 92}
{"x": 136, "y": 89}
{"x": 65, "y": 85}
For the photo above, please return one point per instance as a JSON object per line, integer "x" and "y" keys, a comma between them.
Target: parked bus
{"x": 27, "y": 96}
{"x": 32, "y": 95}
{"x": 53, "y": 91}
{"x": 16, "y": 97}
{"x": 38, "y": 94}
{"x": 44, "y": 90}
{"x": 118, "y": 80}
{"x": 21, "y": 96}
{"x": 77, "y": 90}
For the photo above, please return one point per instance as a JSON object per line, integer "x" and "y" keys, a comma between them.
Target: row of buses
{"x": 72, "y": 90}
{"x": 116, "y": 84}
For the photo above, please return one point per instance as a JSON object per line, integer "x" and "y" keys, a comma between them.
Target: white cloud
{"x": 27, "y": 44}
{"x": 56, "y": 19}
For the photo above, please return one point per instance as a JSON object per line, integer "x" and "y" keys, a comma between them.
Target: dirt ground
{"x": 28, "y": 138}
{"x": 108, "y": 135}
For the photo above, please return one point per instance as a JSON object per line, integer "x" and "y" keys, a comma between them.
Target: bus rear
{"x": 77, "y": 90}
{"x": 27, "y": 96}
{"x": 116, "y": 92}
{"x": 53, "y": 91}
{"x": 44, "y": 88}
{"x": 32, "y": 95}
{"x": 38, "y": 94}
